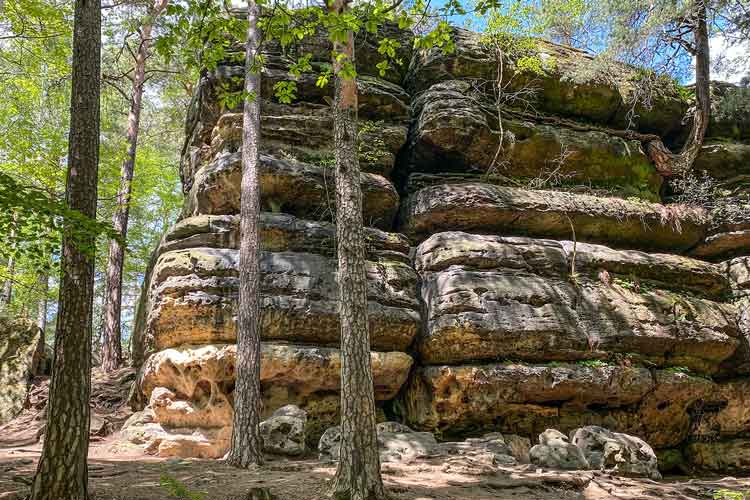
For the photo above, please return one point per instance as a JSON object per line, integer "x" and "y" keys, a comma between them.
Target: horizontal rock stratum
{"x": 527, "y": 266}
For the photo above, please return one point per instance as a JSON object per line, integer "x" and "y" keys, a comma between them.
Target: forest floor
{"x": 122, "y": 472}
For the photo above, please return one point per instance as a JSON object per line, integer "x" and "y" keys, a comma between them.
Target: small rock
{"x": 284, "y": 432}
{"x": 519, "y": 447}
{"x": 555, "y": 451}
{"x": 291, "y": 411}
{"x": 396, "y": 442}
{"x": 329, "y": 444}
{"x": 394, "y": 427}
{"x": 615, "y": 452}
{"x": 405, "y": 446}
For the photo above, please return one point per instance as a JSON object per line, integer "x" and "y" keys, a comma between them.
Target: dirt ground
{"x": 121, "y": 472}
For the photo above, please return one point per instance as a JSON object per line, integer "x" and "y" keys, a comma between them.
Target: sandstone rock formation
{"x": 526, "y": 270}
{"x": 22, "y": 356}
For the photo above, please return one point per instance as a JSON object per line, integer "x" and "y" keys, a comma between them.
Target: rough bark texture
{"x": 41, "y": 312}
{"x": 62, "y": 473}
{"x": 7, "y": 293}
{"x": 247, "y": 446}
{"x": 358, "y": 472}
{"x": 111, "y": 346}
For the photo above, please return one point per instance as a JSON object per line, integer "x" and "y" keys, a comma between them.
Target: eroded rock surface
{"x": 485, "y": 208}
{"x": 615, "y": 452}
{"x": 454, "y": 131}
{"x": 284, "y": 433}
{"x": 289, "y": 186}
{"x": 490, "y": 297}
{"x": 555, "y": 451}
{"x": 542, "y": 280}
{"x": 191, "y": 388}
{"x": 22, "y": 357}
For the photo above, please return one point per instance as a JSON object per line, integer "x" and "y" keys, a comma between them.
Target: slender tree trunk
{"x": 7, "y": 293}
{"x": 112, "y": 344}
{"x": 247, "y": 445}
{"x": 668, "y": 163}
{"x": 62, "y": 473}
{"x": 41, "y": 312}
{"x": 358, "y": 471}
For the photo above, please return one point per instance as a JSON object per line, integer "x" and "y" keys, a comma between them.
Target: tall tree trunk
{"x": 62, "y": 473}
{"x": 358, "y": 471}
{"x": 112, "y": 344}
{"x": 7, "y": 293}
{"x": 668, "y": 163}
{"x": 247, "y": 445}
{"x": 41, "y": 311}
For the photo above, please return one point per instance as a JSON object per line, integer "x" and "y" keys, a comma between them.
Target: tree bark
{"x": 358, "y": 472}
{"x": 62, "y": 473}
{"x": 668, "y": 163}
{"x": 41, "y": 312}
{"x": 7, "y": 293}
{"x": 247, "y": 445}
{"x": 112, "y": 343}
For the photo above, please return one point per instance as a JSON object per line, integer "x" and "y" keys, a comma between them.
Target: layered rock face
{"x": 187, "y": 318}
{"x": 524, "y": 270}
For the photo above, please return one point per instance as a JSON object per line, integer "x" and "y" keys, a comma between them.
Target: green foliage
{"x": 34, "y": 80}
{"x": 678, "y": 369}
{"x": 31, "y": 220}
{"x": 734, "y": 106}
{"x": 726, "y": 494}
{"x": 197, "y": 33}
{"x": 374, "y": 148}
{"x": 593, "y": 363}
{"x": 177, "y": 489}
{"x": 285, "y": 91}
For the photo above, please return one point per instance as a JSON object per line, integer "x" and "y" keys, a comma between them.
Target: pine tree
{"x": 112, "y": 343}
{"x": 62, "y": 473}
{"x": 358, "y": 472}
{"x": 247, "y": 445}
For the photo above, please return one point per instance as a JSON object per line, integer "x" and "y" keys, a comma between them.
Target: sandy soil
{"x": 119, "y": 471}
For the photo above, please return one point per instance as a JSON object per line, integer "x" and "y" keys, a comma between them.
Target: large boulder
{"x": 568, "y": 85}
{"x": 663, "y": 407}
{"x": 284, "y": 432}
{"x": 396, "y": 443}
{"x": 454, "y": 132}
{"x": 555, "y": 451}
{"x": 616, "y": 453}
{"x": 485, "y": 208}
{"x": 294, "y": 187}
{"x": 494, "y": 298}
{"x": 194, "y": 294}
{"x": 22, "y": 356}
{"x": 503, "y": 449}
